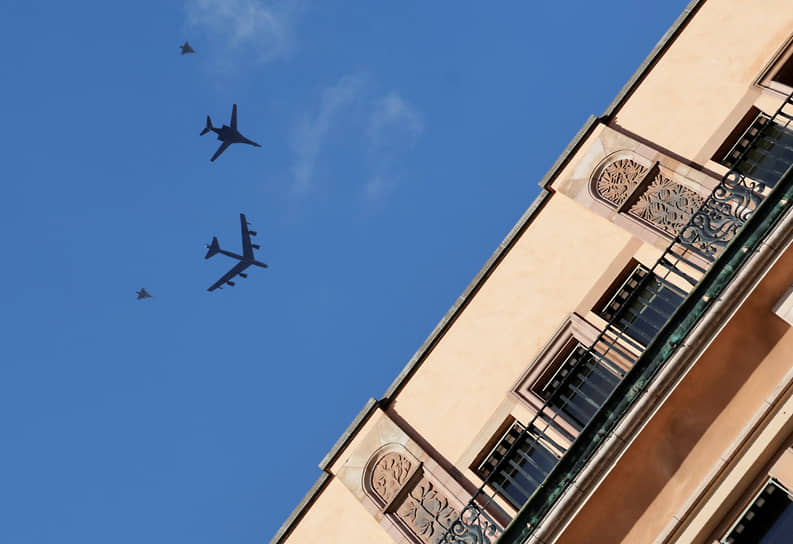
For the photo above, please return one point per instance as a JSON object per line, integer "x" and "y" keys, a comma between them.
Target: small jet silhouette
{"x": 245, "y": 260}
{"x": 186, "y": 48}
{"x": 143, "y": 293}
{"x": 227, "y": 134}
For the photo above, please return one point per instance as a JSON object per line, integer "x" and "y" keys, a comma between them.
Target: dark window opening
{"x": 642, "y": 305}
{"x": 767, "y": 520}
{"x": 758, "y": 148}
{"x": 785, "y": 73}
{"x": 518, "y": 464}
{"x": 579, "y": 387}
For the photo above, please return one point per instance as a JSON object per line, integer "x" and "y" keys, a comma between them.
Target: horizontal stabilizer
{"x": 214, "y": 247}
{"x": 208, "y": 127}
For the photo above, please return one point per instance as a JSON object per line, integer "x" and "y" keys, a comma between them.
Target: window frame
{"x": 770, "y": 480}
{"x": 766, "y": 80}
{"x": 512, "y": 449}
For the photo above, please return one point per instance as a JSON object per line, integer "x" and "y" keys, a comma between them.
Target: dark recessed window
{"x": 642, "y": 305}
{"x": 518, "y": 463}
{"x": 767, "y": 520}
{"x": 579, "y": 387}
{"x": 785, "y": 73}
{"x": 758, "y": 148}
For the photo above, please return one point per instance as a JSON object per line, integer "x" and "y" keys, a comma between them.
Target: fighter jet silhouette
{"x": 245, "y": 260}
{"x": 227, "y": 135}
{"x": 186, "y": 48}
{"x": 143, "y": 294}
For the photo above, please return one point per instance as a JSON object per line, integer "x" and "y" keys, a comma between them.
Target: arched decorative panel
{"x": 416, "y": 503}
{"x": 644, "y": 193}
{"x": 618, "y": 179}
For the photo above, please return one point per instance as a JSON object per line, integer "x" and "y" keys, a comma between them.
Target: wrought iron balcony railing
{"x": 656, "y": 313}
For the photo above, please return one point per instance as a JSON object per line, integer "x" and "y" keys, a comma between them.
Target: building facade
{"x": 621, "y": 369}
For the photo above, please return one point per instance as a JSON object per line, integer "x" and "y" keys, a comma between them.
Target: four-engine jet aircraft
{"x": 143, "y": 293}
{"x": 245, "y": 260}
{"x": 186, "y": 48}
{"x": 227, "y": 134}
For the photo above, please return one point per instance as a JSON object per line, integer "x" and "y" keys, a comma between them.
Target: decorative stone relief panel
{"x": 619, "y": 179}
{"x": 389, "y": 475}
{"x": 427, "y": 513}
{"x": 417, "y": 504}
{"x": 667, "y": 205}
{"x": 645, "y": 193}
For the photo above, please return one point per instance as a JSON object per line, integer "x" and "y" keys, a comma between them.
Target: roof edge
{"x": 301, "y": 508}
{"x": 462, "y": 301}
{"x": 660, "y": 48}
{"x": 349, "y": 434}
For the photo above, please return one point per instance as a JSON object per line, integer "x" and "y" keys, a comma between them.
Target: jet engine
{"x": 230, "y": 283}
{"x": 243, "y": 275}
{"x": 252, "y": 232}
{"x": 256, "y": 246}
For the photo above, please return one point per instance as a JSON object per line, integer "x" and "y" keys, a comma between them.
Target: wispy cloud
{"x": 310, "y": 133}
{"x": 394, "y": 127}
{"x": 386, "y": 125}
{"x": 264, "y": 28}
{"x": 393, "y": 120}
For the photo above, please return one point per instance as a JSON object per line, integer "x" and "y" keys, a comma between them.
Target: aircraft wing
{"x": 220, "y": 150}
{"x": 239, "y": 267}
{"x": 247, "y": 250}
{"x": 234, "y": 117}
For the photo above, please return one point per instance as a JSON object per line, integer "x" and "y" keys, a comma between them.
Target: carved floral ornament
{"x": 422, "y": 509}
{"x": 617, "y": 180}
{"x": 655, "y": 199}
{"x": 390, "y": 473}
{"x": 667, "y": 205}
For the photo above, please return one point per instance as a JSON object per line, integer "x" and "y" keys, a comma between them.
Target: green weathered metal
{"x": 696, "y": 304}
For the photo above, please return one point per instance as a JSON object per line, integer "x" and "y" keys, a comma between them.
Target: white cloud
{"x": 310, "y": 132}
{"x": 394, "y": 127}
{"x": 394, "y": 119}
{"x": 263, "y": 27}
{"x": 383, "y": 127}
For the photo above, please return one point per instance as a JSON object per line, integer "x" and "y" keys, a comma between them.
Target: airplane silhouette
{"x": 186, "y": 48}
{"x": 245, "y": 260}
{"x": 227, "y": 134}
{"x": 143, "y": 293}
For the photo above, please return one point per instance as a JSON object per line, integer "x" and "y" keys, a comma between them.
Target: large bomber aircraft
{"x": 227, "y": 134}
{"x": 245, "y": 260}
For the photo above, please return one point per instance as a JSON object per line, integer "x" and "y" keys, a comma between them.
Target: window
{"x": 767, "y": 520}
{"x": 565, "y": 382}
{"x": 642, "y": 304}
{"x": 579, "y": 387}
{"x": 518, "y": 463}
{"x": 766, "y": 160}
{"x": 778, "y": 74}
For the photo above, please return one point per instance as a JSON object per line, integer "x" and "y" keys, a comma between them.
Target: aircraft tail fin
{"x": 214, "y": 247}
{"x": 208, "y": 127}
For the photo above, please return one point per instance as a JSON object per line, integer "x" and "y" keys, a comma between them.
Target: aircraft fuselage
{"x": 228, "y": 134}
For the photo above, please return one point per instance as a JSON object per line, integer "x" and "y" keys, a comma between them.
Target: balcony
{"x": 648, "y": 319}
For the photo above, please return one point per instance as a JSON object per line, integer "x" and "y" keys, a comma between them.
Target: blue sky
{"x": 401, "y": 141}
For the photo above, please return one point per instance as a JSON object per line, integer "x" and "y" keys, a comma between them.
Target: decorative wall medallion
{"x": 389, "y": 475}
{"x": 618, "y": 180}
{"x": 667, "y": 205}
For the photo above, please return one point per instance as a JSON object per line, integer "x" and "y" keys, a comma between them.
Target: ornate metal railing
{"x": 659, "y": 301}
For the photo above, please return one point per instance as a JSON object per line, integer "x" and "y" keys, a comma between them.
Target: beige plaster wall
{"x": 336, "y": 516}
{"x": 707, "y": 74}
{"x": 681, "y": 444}
{"x": 553, "y": 265}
